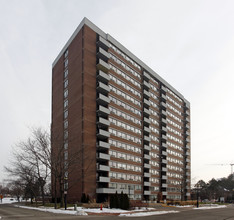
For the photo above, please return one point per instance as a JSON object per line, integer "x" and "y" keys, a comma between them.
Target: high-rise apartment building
{"x": 129, "y": 128}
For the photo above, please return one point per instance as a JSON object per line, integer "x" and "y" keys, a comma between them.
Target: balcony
{"x": 164, "y": 177}
{"x": 102, "y": 111}
{"x": 187, "y": 133}
{"x": 187, "y": 140}
{"x": 164, "y": 113}
{"x": 102, "y": 99}
{"x": 146, "y": 85}
{"x": 164, "y": 137}
{"x": 146, "y": 130}
{"x": 164, "y": 169}
{"x": 103, "y": 54}
{"x": 187, "y": 112}
{"x": 113, "y": 191}
{"x": 164, "y": 129}
{"x": 103, "y": 77}
{"x": 103, "y": 43}
{"x": 187, "y": 167}
{"x": 163, "y": 97}
{"x": 187, "y": 119}
{"x": 164, "y": 185}
{"x": 147, "y": 166}
{"x": 147, "y": 157}
{"x": 164, "y": 121}
{"x": 103, "y": 122}
{"x": 163, "y": 88}
{"x": 164, "y": 161}
{"x": 164, "y": 193}
{"x": 147, "y": 193}
{"x": 187, "y": 194}
{"x": 146, "y": 120}
{"x": 147, "y": 147}
{"x": 187, "y": 153}
{"x": 146, "y": 102}
{"x": 164, "y": 153}
{"x": 146, "y": 94}
{"x": 102, "y": 134}
{"x": 187, "y": 174}
{"x": 104, "y": 179}
{"x": 103, "y": 66}
{"x": 147, "y": 184}
{"x": 163, "y": 104}
{"x": 164, "y": 145}
{"x": 146, "y": 112}
{"x": 146, "y": 75}
{"x": 187, "y": 126}
{"x": 103, "y": 168}
{"x": 103, "y": 88}
{"x": 103, "y": 145}
{"x": 187, "y": 160}
{"x": 102, "y": 156}
{"x": 147, "y": 175}
{"x": 146, "y": 138}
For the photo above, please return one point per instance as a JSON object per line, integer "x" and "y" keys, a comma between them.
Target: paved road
{"x": 13, "y": 213}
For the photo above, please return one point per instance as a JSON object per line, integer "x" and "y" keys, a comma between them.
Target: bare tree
{"x": 28, "y": 166}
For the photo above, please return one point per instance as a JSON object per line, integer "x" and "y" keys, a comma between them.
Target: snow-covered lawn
{"x": 147, "y": 213}
{"x": 83, "y": 211}
{"x": 212, "y": 206}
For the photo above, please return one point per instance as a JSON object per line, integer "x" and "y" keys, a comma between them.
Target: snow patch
{"x": 147, "y": 213}
{"x": 212, "y": 207}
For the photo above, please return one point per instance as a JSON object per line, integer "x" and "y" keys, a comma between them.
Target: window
{"x": 65, "y": 145}
{"x": 65, "y": 103}
{"x": 66, "y": 83}
{"x": 65, "y": 114}
{"x": 66, "y": 53}
{"x": 65, "y": 134}
{"x": 65, "y": 124}
{"x": 65, "y": 74}
{"x": 65, "y": 93}
{"x": 66, "y": 63}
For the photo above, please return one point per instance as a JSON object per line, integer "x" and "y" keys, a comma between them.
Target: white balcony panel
{"x": 104, "y": 179}
{"x": 113, "y": 191}
{"x": 147, "y": 193}
{"x": 146, "y": 84}
{"x": 103, "y": 110}
{"x": 147, "y": 147}
{"x": 103, "y": 121}
{"x": 103, "y": 77}
{"x": 103, "y": 145}
{"x": 103, "y": 156}
{"x": 146, "y": 75}
{"x": 103, "y": 168}
{"x": 147, "y": 184}
{"x": 103, "y": 88}
{"x": 102, "y": 65}
{"x": 147, "y": 175}
{"x": 146, "y": 156}
{"x": 146, "y": 165}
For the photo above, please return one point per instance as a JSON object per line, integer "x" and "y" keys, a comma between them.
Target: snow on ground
{"x": 57, "y": 211}
{"x": 8, "y": 200}
{"x": 212, "y": 207}
{"x": 147, "y": 213}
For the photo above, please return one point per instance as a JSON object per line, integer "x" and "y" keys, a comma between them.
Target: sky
{"x": 189, "y": 43}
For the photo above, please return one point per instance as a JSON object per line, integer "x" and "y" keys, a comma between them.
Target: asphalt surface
{"x": 14, "y": 213}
